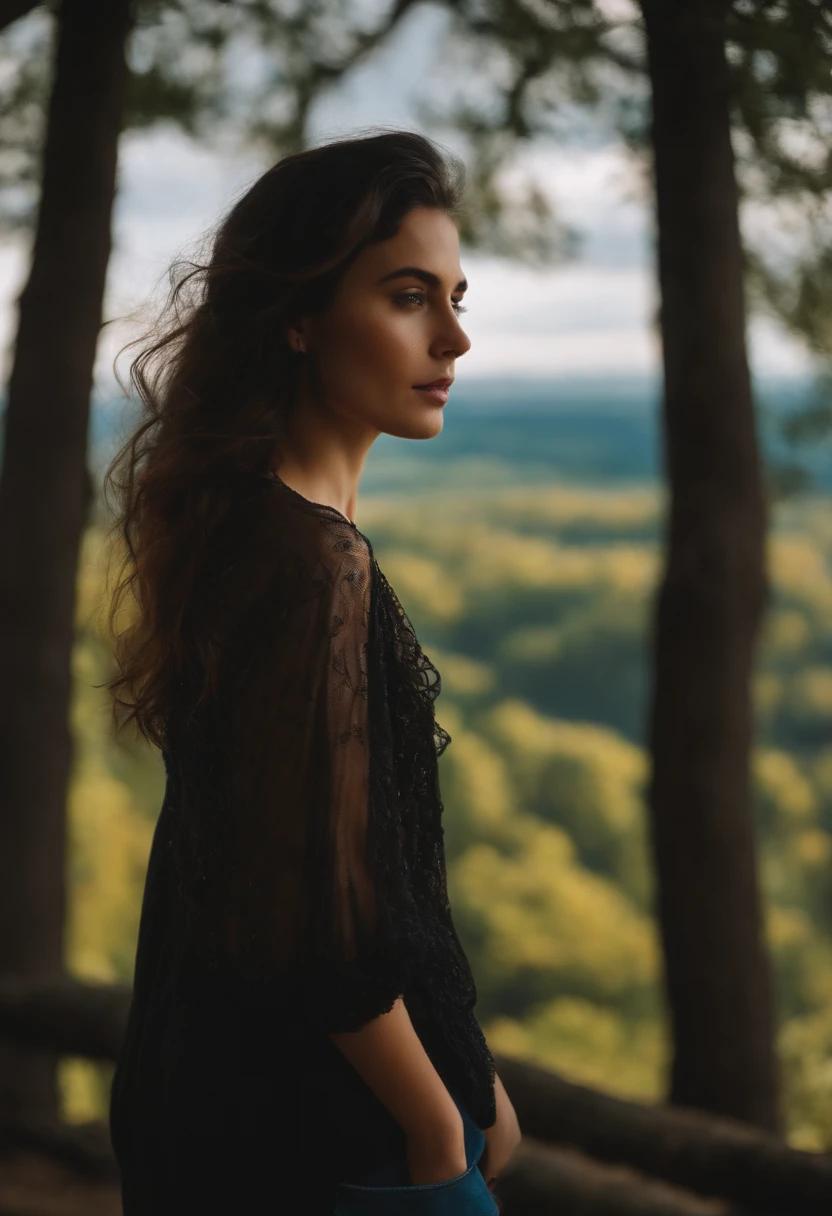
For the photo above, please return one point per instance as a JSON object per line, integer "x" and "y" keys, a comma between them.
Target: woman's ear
{"x": 296, "y": 339}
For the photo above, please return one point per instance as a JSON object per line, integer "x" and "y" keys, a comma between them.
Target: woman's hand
{"x": 502, "y": 1138}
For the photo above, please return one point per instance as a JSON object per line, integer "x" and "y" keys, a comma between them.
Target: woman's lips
{"x": 439, "y": 395}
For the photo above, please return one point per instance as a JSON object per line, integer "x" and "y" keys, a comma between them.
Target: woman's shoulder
{"x": 283, "y": 520}
{"x": 276, "y": 542}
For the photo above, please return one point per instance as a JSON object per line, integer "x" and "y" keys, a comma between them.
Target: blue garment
{"x": 386, "y": 1190}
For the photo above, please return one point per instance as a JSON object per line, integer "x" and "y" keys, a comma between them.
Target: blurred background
{"x": 617, "y": 552}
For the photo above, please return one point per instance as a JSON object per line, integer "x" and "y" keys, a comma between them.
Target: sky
{"x": 590, "y": 316}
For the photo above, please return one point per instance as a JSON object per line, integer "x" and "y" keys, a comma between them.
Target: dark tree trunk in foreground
{"x": 44, "y": 499}
{"x": 713, "y": 594}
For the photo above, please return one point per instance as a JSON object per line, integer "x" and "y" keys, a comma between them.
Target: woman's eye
{"x": 415, "y": 295}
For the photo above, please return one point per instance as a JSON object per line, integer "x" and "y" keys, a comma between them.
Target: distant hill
{"x": 508, "y": 429}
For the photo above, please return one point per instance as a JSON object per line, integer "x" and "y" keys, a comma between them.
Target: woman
{"x": 302, "y": 1035}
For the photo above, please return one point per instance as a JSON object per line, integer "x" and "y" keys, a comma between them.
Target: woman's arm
{"x": 390, "y": 1057}
{"x": 502, "y": 1138}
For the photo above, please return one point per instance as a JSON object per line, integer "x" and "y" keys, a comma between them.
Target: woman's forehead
{"x": 427, "y": 241}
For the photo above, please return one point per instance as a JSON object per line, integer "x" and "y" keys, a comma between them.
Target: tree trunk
{"x": 710, "y": 603}
{"x": 44, "y": 498}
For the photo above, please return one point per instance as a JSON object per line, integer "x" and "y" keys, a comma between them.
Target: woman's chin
{"x": 423, "y": 425}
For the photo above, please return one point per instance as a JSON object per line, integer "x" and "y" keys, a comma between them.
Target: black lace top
{"x": 296, "y": 884}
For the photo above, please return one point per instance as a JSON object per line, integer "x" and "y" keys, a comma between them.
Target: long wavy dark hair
{"x": 217, "y": 380}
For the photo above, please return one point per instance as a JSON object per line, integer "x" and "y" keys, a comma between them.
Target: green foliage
{"x": 115, "y": 795}
{"x": 583, "y": 778}
{"x": 590, "y": 1044}
{"x": 545, "y": 825}
{"x": 550, "y": 925}
{"x": 806, "y": 1052}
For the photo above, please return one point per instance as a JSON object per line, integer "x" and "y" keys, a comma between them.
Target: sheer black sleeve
{"x": 298, "y": 899}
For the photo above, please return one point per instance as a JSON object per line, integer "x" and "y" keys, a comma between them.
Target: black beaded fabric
{"x": 296, "y": 885}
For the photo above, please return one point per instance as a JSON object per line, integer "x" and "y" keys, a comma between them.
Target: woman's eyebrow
{"x": 427, "y": 277}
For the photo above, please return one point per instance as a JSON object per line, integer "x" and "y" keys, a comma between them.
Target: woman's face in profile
{"x": 392, "y": 325}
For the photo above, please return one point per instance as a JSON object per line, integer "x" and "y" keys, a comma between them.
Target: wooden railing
{"x": 583, "y": 1150}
